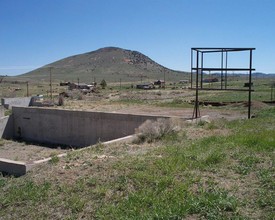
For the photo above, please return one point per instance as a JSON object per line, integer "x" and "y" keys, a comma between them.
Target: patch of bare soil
{"x": 198, "y": 133}
{"x": 142, "y": 109}
{"x": 21, "y": 151}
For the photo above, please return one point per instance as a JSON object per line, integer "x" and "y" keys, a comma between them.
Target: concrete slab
{"x": 8, "y": 103}
{"x": 19, "y": 168}
{"x": 16, "y": 168}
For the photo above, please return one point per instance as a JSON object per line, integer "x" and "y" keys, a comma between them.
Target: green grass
{"x": 211, "y": 177}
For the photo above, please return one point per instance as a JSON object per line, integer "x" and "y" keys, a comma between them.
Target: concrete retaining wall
{"x": 73, "y": 128}
{"x": 8, "y": 103}
{"x": 16, "y": 168}
{"x": 6, "y": 127}
{"x": 2, "y": 111}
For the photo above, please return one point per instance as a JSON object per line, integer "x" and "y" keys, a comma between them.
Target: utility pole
{"x": 51, "y": 88}
{"x": 120, "y": 83}
{"x": 164, "y": 83}
{"x": 27, "y": 88}
{"x": 272, "y": 88}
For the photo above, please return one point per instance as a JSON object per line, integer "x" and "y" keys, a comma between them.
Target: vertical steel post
{"x": 197, "y": 87}
{"x": 191, "y": 77}
{"x": 201, "y": 69}
{"x": 222, "y": 71}
{"x": 27, "y": 88}
{"x": 250, "y": 79}
{"x": 225, "y": 80}
{"x": 271, "y": 98}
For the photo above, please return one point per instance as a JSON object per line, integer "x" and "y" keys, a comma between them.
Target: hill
{"x": 110, "y": 63}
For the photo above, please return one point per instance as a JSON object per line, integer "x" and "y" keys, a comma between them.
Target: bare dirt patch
{"x": 21, "y": 151}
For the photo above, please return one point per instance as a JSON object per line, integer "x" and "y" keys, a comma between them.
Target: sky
{"x": 34, "y": 33}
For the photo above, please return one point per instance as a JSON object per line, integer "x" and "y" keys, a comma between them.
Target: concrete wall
{"x": 8, "y": 103}
{"x": 73, "y": 128}
{"x": 16, "y": 168}
{"x": 2, "y": 111}
{"x": 6, "y": 127}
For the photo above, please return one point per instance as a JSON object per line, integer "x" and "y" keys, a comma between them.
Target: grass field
{"x": 217, "y": 170}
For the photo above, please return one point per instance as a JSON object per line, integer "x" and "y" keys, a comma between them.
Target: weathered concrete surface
{"x": 19, "y": 168}
{"x": 8, "y": 103}
{"x": 6, "y": 127}
{"x": 16, "y": 168}
{"x": 73, "y": 128}
{"x": 2, "y": 111}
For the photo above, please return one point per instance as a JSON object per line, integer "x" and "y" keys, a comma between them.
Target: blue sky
{"x": 34, "y": 33}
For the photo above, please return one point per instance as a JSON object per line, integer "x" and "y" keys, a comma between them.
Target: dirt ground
{"x": 21, "y": 151}
{"x": 128, "y": 102}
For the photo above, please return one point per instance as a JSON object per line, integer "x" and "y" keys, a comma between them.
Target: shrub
{"x": 155, "y": 130}
{"x": 61, "y": 100}
{"x": 103, "y": 84}
{"x": 76, "y": 94}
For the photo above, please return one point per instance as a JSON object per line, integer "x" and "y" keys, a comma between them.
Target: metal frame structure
{"x": 198, "y": 68}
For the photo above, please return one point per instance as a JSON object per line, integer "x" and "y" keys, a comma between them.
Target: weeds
{"x": 54, "y": 160}
{"x": 151, "y": 131}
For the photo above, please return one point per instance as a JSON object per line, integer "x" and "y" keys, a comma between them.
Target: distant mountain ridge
{"x": 109, "y": 63}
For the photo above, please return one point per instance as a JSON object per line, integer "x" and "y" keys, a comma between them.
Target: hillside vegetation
{"x": 111, "y": 63}
{"x": 217, "y": 170}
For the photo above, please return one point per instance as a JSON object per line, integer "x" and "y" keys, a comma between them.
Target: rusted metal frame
{"x": 222, "y": 50}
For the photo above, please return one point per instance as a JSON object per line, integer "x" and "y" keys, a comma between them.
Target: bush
{"x": 103, "y": 84}
{"x": 61, "y": 100}
{"x": 76, "y": 94}
{"x": 155, "y": 130}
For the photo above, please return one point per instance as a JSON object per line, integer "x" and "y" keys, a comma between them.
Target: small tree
{"x": 103, "y": 84}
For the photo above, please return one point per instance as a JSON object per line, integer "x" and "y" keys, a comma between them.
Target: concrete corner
{"x": 16, "y": 168}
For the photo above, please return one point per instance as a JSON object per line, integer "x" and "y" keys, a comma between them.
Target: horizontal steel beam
{"x": 223, "y": 69}
{"x": 241, "y": 90}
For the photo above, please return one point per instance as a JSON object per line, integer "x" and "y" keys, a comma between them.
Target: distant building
{"x": 73, "y": 86}
{"x": 209, "y": 80}
{"x": 145, "y": 86}
{"x": 64, "y": 83}
{"x": 160, "y": 83}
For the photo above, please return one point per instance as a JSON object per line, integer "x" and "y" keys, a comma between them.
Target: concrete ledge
{"x": 19, "y": 168}
{"x": 8, "y": 103}
{"x": 16, "y": 168}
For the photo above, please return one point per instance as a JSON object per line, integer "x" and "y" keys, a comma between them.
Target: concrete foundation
{"x": 73, "y": 128}
{"x": 16, "y": 168}
{"x": 2, "y": 111}
{"x": 6, "y": 127}
{"x": 8, "y": 103}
